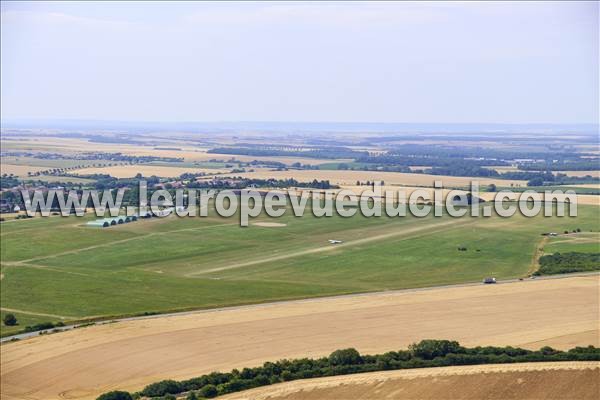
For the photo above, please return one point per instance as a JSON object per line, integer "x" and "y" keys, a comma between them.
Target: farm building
{"x": 99, "y": 223}
{"x": 106, "y": 222}
{"x": 145, "y": 214}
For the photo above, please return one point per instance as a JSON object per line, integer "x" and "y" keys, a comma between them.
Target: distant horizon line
{"x": 265, "y": 121}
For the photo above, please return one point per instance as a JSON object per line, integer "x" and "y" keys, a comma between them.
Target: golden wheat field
{"x": 19, "y": 170}
{"x": 595, "y": 174}
{"x": 129, "y": 171}
{"x": 560, "y": 381}
{"x": 188, "y": 152}
{"x": 346, "y": 177}
{"x": 82, "y": 363}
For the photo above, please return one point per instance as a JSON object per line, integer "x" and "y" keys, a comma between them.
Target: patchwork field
{"x": 590, "y": 199}
{"x": 575, "y": 380}
{"x": 581, "y": 173}
{"x": 129, "y": 171}
{"x": 75, "y": 272}
{"x": 344, "y": 177}
{"x": 503, "y": 169}
{"x": 307, "y": 124}
{"x": 187, "y": 152}
{"x": 20, "y": 170}
{"x": 81, "y": 363}
{"x": 56, "y": 163}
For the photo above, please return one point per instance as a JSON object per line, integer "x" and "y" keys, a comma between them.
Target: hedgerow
{"x": 425, "y": 354}
{"x": 562, "y": 263}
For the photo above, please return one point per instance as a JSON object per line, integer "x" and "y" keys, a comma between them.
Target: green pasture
{"x": 61, "y": 267}
{"x": 583, "y": 242}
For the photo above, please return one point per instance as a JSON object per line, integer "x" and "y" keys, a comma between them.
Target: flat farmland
{"x": 557, "y": 380}
{"x": 504, "y": 168}
{"x": 129, "y": 171}
{"x": 56, "y": 162}
{"x": 60, "y": 267}
{"x": 46, "y": 144}
{"x": 595, "y": 173}
{"x": 82, "y": 363}
{"x": 588, "y": 185}
{"x": 21, "y": 171}
{"x": 348, "y": 177}
{"x": 585, "y": 242}
{"x": 583, "y": 199}
{"x": 187, "y": 152}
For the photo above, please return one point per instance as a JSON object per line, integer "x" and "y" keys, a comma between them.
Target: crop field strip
{"x": 177, "y": 264}
{"x": 186, "y": 263}
{"x": 131, "y": 354}
{"x": 195, "y": 153}
{"x": 541, "y": 380}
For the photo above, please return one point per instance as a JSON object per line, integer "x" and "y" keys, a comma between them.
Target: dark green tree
{"x": 429, "y": 349}
{"x": 10, "y": 320}
{"x": 192, "y": 396}
{"x": 115, "y": 395}
{"x": 208, "y": 391}
{"x": 345, "y": 357}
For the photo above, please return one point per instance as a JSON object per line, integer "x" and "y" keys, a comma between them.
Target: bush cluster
{"x": 10, "y": 320}
{"x": 562, "y": 263}
{"x": 42, "y": 326}
{"x": 427, "y": 353}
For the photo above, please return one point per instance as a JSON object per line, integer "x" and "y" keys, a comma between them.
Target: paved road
{"x": 108, "y": 321}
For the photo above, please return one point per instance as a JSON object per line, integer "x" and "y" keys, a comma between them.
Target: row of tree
{"x": 286, "y": 151}
{"x": 242, "y": 183}
{"x": 563, "y": 263}
{"x": 427, "y": 353}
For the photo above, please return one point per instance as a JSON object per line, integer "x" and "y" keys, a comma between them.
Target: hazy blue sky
{"x": 292, "y": 61}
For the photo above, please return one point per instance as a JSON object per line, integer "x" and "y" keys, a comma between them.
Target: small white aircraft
{"x": 335, "y": 241}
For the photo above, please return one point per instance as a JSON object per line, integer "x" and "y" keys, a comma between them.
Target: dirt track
{"x": 564, "y": 380}
{"x": 85, "y": 362}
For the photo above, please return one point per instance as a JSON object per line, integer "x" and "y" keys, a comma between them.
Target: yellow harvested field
{"x": 129, "y": 171}
{"x": 189, "y": 153}
{"x": 345, "y": 177}
{"x": 583, "y": 199}
{"x": 19, "y": 170}
{"x": 47, "y": 144}
{"x": 587, "y": 199}
{"x": 128, "y": 355}
{"x": 408, "y": 190}
{"x": 546, "y": 380}
{"x": 78, "y": 145}
{"x": 503, "y": 169}
{"x": 595, "y": 174}
{"x": 587, "y": 185}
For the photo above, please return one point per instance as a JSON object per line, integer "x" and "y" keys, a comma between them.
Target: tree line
{"x": 564, "y": 263}
{"x": 426, "y": 353}
{"x": 242, "y": 183}
{"x": 277, "y": 151}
